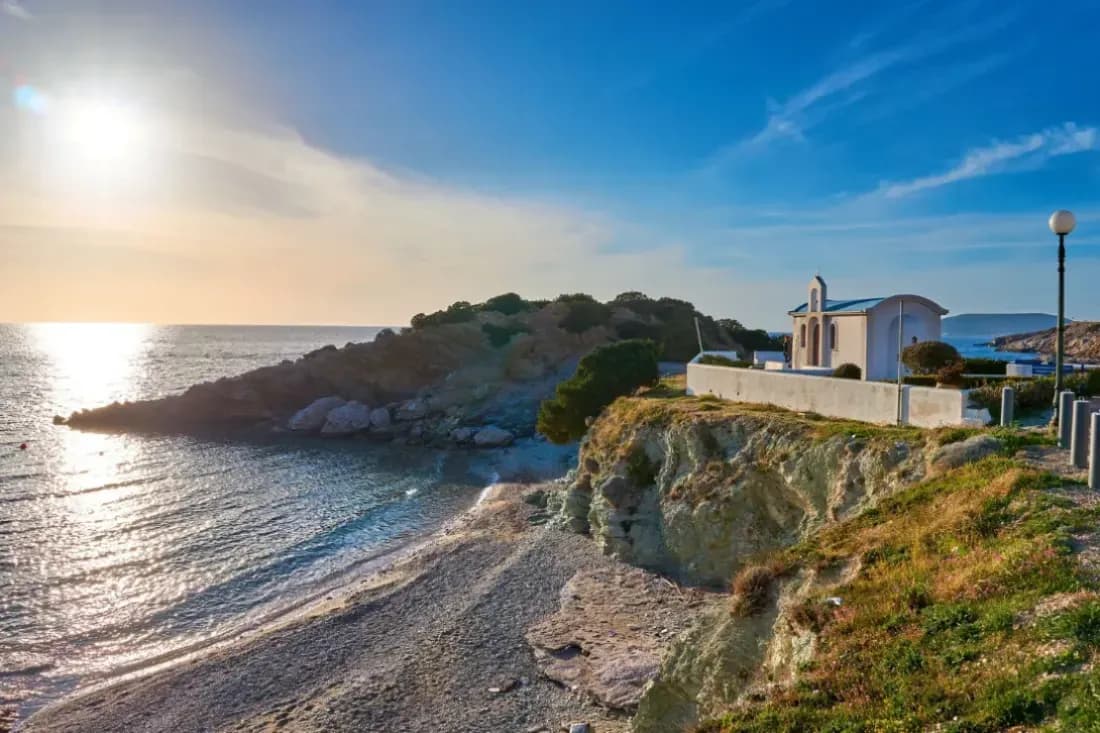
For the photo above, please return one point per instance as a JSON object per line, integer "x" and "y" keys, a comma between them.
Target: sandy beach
{"x": 433, "y": 642}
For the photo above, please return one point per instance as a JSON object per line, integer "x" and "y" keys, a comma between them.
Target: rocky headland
{"x": 470, "y": 375}
{"x": 1082, "y": 341}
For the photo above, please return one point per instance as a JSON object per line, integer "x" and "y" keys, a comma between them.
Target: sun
{"x": 102, "y": 133}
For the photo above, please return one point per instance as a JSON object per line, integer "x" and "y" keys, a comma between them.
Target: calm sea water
{"x": 115, "y": 549}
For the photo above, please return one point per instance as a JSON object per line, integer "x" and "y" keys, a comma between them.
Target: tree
{"x": 584, "y": 314}
{"x": 929, "y": 357}
{"x": 603, "y": 375}
{"x": 509, "y": 304}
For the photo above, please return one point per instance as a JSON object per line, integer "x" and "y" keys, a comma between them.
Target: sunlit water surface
{"x": 116, "y": 549}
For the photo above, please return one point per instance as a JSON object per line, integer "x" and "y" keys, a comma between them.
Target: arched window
{"x": 813, "y": 299}
{"x": 832, "y": 335}
{"x": 802, "y": 337}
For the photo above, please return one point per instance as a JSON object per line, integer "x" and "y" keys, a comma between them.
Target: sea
{"x": 116, "y": 550}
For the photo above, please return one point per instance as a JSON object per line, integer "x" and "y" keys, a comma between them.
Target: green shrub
{"x": 509, "y": 304}
{"x": 755, "y": 339}
{"x": 501, "y": 335}
{"x": 1031, "y": 395}
{"x": 928, "y": 357}
{"x": 919, "y": 380}
{"x": 848, "y": 371}
{"x": 638, "y": 330}
{"x": 459, "y": 312}
{"x": 985, "y": 366}
{"x": 584, "y": 314}
{"x": 717, "y": 360}
{"x": 608, "y": 372}
{"x": 1085, "y": 383}
{"x": 950, "y": 374}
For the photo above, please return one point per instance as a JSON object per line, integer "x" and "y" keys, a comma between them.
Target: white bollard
{"x": 1008, "y": 405}
{"x": 1079, "y": 440}
{"x": 1065, "y": 418}
{"x": 1094, "y": 453}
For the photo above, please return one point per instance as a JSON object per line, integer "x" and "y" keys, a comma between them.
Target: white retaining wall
{"x": 874, "y": 402}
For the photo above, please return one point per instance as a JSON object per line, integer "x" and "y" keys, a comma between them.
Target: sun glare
{"x": 103, "y": 135}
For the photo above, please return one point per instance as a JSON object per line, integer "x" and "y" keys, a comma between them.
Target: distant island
{"x": 989, "y": 325}
{"x": 1082, "y": 341}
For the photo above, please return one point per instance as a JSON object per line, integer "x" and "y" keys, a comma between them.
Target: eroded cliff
{"x": 693, "y": 487}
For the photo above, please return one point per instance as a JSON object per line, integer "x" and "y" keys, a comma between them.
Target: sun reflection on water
{"x": 92, "y": 363}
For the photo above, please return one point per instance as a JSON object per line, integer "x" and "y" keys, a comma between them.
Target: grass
{"x": 970, "y": 613}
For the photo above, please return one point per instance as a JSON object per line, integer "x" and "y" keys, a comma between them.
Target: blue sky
{"x": 721, "y": 152}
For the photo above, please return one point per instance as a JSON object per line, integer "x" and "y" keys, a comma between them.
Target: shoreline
{"x": 526, "y": 460}
{"x": 489, "y": 556}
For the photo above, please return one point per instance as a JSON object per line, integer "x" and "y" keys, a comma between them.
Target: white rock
{"x": 346, "y": 419}
{"x": 313, "y": 417}
{"x": 380, "y": 417}
{"x": 412, "y": 410}
{"x": 491, "y": 436}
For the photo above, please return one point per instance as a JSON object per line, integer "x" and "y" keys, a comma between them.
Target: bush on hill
{"x": 607, "y": 373}
{"x": 928, "y": 357}
{"x": 459, "y": 312}
{"x": 986, "y": 366}
{"x": 509, "y": 304}
{"x": 501, "y": 335}
{"x": 584, "y": 314}
{"x": 718, "y": 360}
{"x": 848, "y": 371}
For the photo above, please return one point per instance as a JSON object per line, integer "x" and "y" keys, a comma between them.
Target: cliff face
{"x": 1082, "y": 341}
{"x": 694, "y": 488}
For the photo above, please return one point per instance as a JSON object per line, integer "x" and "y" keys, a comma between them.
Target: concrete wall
{"x": 873, "y": 402}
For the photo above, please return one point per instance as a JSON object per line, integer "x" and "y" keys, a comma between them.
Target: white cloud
{"x": 15, "y": 9}
{"x": 1001, "y": 156}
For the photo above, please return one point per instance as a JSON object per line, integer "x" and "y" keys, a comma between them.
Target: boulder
{"x": 491, "y": 436}
{"x": 966, "y": 451}
{"x": 312, "y": 418}
{"x": 412, "y": 410}
{"x": 380, "y": 418}
{"x": 347, "y": 419}
{"x": 462, "y": 435}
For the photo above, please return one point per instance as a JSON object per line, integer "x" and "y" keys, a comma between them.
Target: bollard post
{"x": 1065, "y": 418}
{"x": 1094, "y": 453}
{"x": 1079, "y": 440}
{"x": 1008, "y": 405}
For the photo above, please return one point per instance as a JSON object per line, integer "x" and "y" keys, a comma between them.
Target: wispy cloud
{"x": 792, "y": 118}
{"x": 15, "y": 9}
{"x": 1003, "y": 156}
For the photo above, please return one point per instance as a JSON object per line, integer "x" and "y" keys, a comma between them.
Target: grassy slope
{"x": 970, "y": 612}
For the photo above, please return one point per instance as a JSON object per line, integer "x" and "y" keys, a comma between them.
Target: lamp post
{"x": 1061, "y": 223}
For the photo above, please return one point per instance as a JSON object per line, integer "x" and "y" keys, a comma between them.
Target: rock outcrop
{"x": 349, "y": 418}
{"x": 312, "y": 418}
{"x": 694, "y": 494}
{"x": 1082, "y": 341}
{"x": 491, "y": 436}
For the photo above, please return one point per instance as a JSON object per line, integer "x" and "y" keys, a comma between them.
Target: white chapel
{"x": 865, "y": 332}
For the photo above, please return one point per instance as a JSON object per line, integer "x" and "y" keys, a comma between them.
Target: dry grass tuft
{"x": 752, "y": 590}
